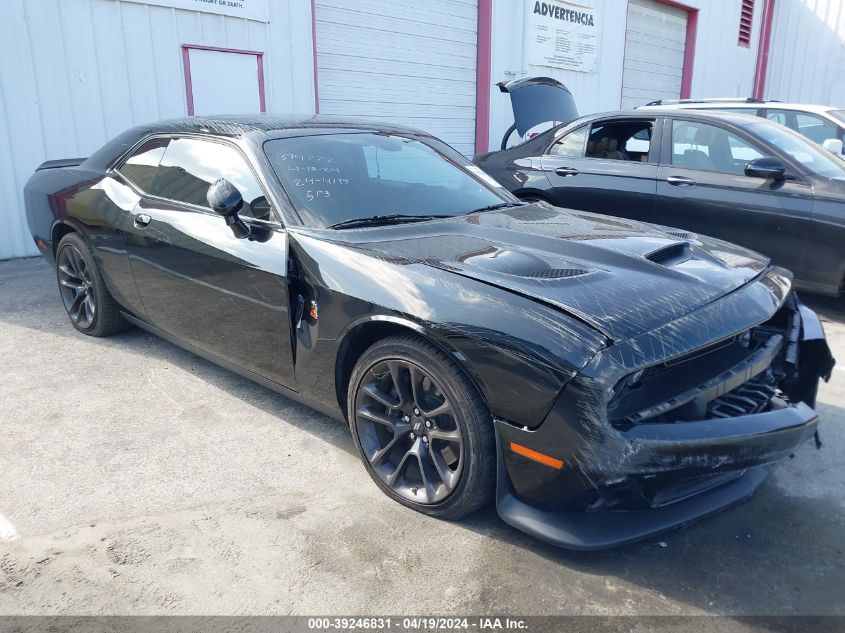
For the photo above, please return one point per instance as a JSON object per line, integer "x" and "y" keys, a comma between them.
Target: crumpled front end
{"x": 671, "y": 425}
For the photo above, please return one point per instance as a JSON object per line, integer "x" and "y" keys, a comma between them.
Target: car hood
{"x": 621, "y": 277}
{"x": 537, "y": 100}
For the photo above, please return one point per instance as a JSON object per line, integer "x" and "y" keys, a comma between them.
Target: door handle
{"x": 566, "y": 171}
{"x": 142, "y": 220}
{"x": 680, "y": 181}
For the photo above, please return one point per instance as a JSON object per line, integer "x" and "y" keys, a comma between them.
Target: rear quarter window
{"x": 140, "y": 168}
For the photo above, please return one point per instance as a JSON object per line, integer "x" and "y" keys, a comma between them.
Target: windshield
{"x": 334, "y": 178}
{"x": 800, "y": 149}
{"x": 837, "y": 114}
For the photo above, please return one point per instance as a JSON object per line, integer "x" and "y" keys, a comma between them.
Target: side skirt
{"x": 249, "y": 375}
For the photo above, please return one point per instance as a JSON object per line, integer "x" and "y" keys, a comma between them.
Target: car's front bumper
{"x": 609, "y": 485}
{"x": 703, "y": 470}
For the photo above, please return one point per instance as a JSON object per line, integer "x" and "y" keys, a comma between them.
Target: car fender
{"x": 519, "y": 352}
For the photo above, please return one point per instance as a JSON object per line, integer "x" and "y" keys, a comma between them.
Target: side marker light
{"x": 540, "y": 458}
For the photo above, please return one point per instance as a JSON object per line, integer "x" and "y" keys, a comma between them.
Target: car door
{"x": 606, "y": 166}
{"x": 702, "y": 187}
{"x": 197, "y": 281}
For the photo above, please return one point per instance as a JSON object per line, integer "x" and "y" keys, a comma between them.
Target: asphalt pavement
{"x": 136, "y": 478}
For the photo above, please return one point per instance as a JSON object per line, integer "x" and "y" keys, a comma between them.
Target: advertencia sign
{"x": 249, "y": 9}
{"x": 561, "y": 35}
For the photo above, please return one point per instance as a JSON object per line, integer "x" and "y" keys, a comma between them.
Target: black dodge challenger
{"x": 602, "y": 379}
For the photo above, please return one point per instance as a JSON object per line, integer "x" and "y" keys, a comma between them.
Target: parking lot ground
{"x": 136, "y": 478}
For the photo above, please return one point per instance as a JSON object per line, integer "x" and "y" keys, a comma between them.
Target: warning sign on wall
{"x": 249, "y": 9}
{"x": 562, "y": 35}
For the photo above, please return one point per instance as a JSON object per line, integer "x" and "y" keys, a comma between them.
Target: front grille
{"x": 751, "y": 397}
{"x": 734, "y": 377}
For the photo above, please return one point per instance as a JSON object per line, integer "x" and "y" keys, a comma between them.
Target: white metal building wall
{"x": 807, "y": 52}
{"x": 409, "y": 63}
{"x": 75, "y": 73}
{"x": 721, "y": 69}
{"x": 655, "y": 40}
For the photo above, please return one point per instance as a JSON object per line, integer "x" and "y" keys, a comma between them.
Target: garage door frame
{"x": 689, "y": 47}
{"x": 484, "y": 47}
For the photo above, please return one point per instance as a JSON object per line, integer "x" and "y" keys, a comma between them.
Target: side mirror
{"x": 833, "y": 145}
{"x": 225, "y": 200}
{"x": 766, "y": 167}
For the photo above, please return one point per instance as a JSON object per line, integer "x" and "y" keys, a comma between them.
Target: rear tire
{"x": 88, "y": 303}
{"x": 421, "y": 428}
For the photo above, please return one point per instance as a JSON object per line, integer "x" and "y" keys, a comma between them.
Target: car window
{"x": 331, "y": 178}
{"x": 141, "y": 166}
{"x": 710, "y": 148}
{"x": 778, "y": 116}
{"x": 800, "y": 149}
{"x": 410, "y": 165}
{"x": 571, "y": 145}
{"x": 815, "y": 127}
{"x": 190, "y": 166}
{"x": 620, "y": 140}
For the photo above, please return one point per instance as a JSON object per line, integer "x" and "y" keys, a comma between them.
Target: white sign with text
{"x": 562, "y": 35}
{"x": 250, "y": 9}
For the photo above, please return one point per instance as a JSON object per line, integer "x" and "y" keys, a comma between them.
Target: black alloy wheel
{"x": 407, "y": 429}
{"x": 76, "y": 286}
{"x": 88, "y": 302}
{"x": 421, "y": 428}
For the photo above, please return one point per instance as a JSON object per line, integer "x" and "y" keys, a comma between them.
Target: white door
{"x": 411, "y": 63}
{"x": 655, "y": 39}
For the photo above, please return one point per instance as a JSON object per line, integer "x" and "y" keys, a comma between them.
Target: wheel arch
{"x": 364, "y": 333}
{"x": 61, "y": 228}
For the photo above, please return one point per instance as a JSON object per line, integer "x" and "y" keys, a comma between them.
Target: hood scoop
{"x": 521, "y": 264}
{"x": 628, "y": 279}
{"x": 671, "y": 255}
{"x": 682, "y": 235}
{"x": 556, "y": 273}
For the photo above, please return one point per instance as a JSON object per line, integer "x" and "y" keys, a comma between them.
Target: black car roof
{"x": 239, "y": 125}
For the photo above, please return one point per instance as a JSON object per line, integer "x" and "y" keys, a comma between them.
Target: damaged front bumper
{"x": 670, "y": 427}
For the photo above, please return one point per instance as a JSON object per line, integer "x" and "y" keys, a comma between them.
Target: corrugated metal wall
{"x": 74, "y": 73}
{"x": 412, "y": 64}
{"x": 807, "y": 52}
{"x": 655, "y": 41}
{"x": 722, "y": 69}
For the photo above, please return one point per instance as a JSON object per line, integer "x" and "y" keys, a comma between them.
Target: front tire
{"x": 422, "y": 429}
{"x": 88, "y": 303}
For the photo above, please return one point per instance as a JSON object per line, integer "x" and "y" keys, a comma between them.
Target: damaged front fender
{"x": 519, "y": 352}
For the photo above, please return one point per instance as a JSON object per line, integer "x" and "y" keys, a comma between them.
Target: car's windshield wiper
{"x": 493, "y": 207}
{"x": 375, "y": 220}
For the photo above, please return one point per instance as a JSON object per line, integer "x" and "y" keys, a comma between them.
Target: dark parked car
{"x": 603, "y": 380}
{"x": 729, "y": 175}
